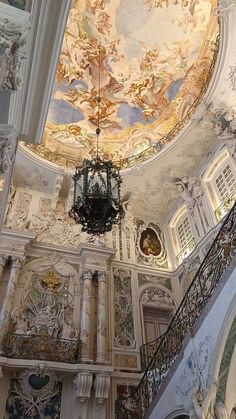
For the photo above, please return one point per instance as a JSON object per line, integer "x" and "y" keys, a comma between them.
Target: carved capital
{"x": 102, "y": 276}
{"x": 225, "y": 7}
{"x": 87, "y": 275}
{"x": 17, "y": 262}
{"x": 13, "y": 37}
{"x": 7, "y": 148}
{"x": 83, "y": 384}
{"x": 102, "y": 386}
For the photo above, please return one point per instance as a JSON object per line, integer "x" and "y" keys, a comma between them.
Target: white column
{"x": 9, "y": 297}
{"x": 85, "y": 318}
{"x": 83, "y": 384}
{"x": 101, "y": 357}
{"x": 102, "y": 386}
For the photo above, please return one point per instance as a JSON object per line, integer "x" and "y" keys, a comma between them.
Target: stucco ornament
{"x": 221, "y": 411}
{"x": 157, "y": 295}
{"x": 190, "y": 190}
{"x": 33, "y": 391}
{"x": 13, "y": 38}
{"x": 224, "y": 125}
{"x": 196, "y": 390}
{"x": 46, "y": 307}
{"x": 7, "y": 149}
{"x": 124, "y": 320}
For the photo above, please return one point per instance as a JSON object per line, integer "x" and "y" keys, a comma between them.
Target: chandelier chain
{"x": 98, "y": 130}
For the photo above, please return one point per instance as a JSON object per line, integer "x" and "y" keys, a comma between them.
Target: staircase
{"x": 160, "y": 355}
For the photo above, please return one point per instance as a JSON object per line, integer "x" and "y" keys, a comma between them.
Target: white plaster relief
{"x": 13, "y": 39}
{"x": 7, "y": 148}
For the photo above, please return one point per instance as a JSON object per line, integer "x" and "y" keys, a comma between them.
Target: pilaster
{"x": 9, "y": 297}
{"x": 102, "y": 327}
{"x": 85, "y": 317}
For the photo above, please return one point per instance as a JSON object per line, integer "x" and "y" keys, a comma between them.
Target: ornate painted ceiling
{"x": 156, "y": 59}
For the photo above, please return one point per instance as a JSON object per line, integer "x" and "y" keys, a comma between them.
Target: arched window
{"x": 225, "y": 182}
{"x": 220, "y": 181}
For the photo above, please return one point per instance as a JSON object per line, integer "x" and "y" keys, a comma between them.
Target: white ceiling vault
{"x": 150, "y": 183}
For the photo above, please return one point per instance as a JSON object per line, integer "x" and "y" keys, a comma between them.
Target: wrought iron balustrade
{"x": 147, "y": 352}
{"x": 169, "y": 345}
{"x": 43, "y": 347}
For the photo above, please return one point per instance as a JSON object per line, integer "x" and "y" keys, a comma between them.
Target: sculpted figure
{"x": 221, "y": 411}
{"x": 203, "y": 408}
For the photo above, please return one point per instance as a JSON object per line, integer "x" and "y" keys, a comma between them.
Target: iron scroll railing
{"x": 169, "y": 345}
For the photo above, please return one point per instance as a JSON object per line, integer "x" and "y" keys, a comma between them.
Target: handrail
{"x": 195, "y": 300}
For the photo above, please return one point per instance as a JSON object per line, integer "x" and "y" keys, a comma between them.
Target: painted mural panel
{"x": 155, "y": 60}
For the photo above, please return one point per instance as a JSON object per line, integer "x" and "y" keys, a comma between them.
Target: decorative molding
{"x": 156, "y": 295}
{"x": 102, "y": 386}
{"x": 83, "y": 384}
{"x": 150, "y": 257}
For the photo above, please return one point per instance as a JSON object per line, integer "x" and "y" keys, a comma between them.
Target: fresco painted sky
{"x": 154, "y": 60}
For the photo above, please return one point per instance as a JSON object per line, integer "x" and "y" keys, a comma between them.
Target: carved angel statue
{"x": 203, "y": 407}
{"x": 185, "y": 193}
{"x": 221, "y": 411}
{"x": 128, "y": 213}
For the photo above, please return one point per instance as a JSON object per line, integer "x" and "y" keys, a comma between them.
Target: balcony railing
{"x": 43, "y": 347}
{"x": 169, "y": 345}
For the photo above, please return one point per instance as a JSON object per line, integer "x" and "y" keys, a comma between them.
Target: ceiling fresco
{"x": 156, "y": 59}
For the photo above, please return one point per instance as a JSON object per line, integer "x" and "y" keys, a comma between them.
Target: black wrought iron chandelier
{"x": 97, "y": 205}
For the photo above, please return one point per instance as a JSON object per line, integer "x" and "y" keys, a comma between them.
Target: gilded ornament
{"x": 51, "y": 281}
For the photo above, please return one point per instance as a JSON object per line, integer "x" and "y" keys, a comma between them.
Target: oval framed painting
{"x": 150, "y": 243}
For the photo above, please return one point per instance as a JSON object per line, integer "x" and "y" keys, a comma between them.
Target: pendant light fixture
{"x": 97, "y": 204}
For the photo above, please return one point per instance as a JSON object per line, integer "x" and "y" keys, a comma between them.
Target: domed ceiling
{"x": 156, "y": 59}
